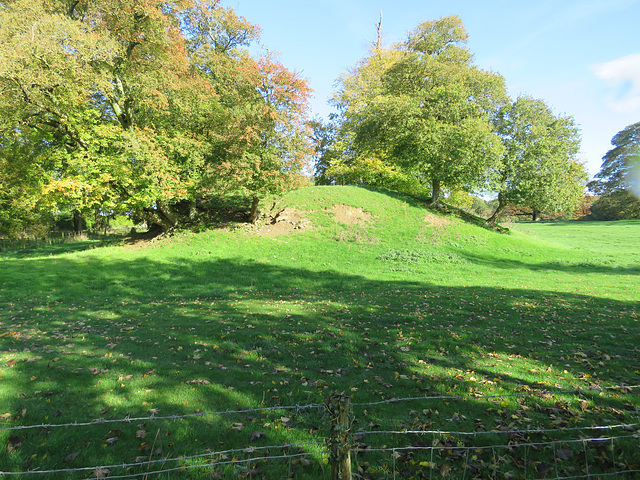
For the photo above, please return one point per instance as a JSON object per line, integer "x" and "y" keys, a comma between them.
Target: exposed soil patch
{"x": 284, "y": 222}
{"x": 436, "y": 221}
{"x": 141, "y": 240}
{"x": 351, "y": 215}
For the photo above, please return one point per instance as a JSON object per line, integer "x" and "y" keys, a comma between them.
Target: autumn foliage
{"x": 141, "y": 107}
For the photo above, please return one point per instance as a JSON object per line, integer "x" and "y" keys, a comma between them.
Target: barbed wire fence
{"x": 509, "y": 453}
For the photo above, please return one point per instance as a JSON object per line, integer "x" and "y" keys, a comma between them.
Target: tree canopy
{"x": 422, "y": 113}
{"x": 423, "y": 106}
{"x": 618, "y": 181}
{"x": 620, "y": 165}
{"x": 138, "y": 107}
{"x": 538, "y": 168}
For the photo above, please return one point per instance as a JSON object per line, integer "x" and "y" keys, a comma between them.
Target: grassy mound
{"x": 357, "y": 291}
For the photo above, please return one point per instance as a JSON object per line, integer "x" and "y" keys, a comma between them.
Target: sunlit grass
{"x": 406, "y": 305}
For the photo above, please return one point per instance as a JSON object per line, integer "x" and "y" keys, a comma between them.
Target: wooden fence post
{"x": 340, "y": 437}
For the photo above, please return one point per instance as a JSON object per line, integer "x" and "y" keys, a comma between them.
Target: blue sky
{"x": 581, "y": 56}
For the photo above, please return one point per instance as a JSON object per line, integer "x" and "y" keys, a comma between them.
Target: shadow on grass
{"x": 96, "y": 339}
{"x": 443, "y": 208}
{"x": 559, "y": 266}
{"x": 589, "y": 223}
{"x": 45, "y": 250}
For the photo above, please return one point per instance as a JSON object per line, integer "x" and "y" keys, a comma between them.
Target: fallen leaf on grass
{"x": 101, "y": 472}
{"x": 198, "y": 381}
{"x": 144, "y": 446}
{"x": 141, "y": 434}
{"x": 15, "y": 441}
{"x": 237, "y": 427}
{"x": 564, "y": 454}
{"x": 543, "y": 467}
{"x": 71, "y": 456}
{"x": 111, "y": 440}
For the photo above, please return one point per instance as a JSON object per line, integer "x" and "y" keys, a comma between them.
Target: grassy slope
{"x": 396, "y": 308}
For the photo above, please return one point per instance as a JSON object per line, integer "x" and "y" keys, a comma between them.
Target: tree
{"x": 20, "y": 184}
{"x": 617, "y": 205}
{"x": 146, "y": 108}
{"x": 620, "y": 168}
{"x": 337, "y": 162}
{"x": 423, "y": 106}
{"x": 618, "y": 182}
{"x": 538, "y": 168}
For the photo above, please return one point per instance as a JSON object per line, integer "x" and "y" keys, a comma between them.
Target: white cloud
{"x": 623, "y": 77}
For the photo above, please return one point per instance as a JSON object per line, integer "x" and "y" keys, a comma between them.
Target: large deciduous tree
{"x": 618, "y": 181}
{"x": 425, "y": 107}
{"x": 620, "y": 165}
{"x": 144, "y": 107}
{"x": 538, "y": 168}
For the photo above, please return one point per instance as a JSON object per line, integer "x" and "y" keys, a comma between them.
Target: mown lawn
{"x": 406, "y": 305}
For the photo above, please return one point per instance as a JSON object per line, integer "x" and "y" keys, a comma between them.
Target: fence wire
{"x": 626, "y": 426}
{"x": 311, "y": 406}
{"x": 397, "y": 452}
{"x": 208, "y": 460}
{"x": 163, "y": 461}
{"x": 127, "y": 419}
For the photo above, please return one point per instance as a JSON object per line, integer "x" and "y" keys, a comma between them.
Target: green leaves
{"x": 538, "y": 167}
{"x": 423, "y": 107}
{"x": 141, "y": 108}
{"x": 618, "y": 181}
{"x": 616, "y": 172}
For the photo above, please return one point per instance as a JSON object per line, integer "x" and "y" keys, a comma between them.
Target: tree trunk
{"x": 253, "y": 216}
{"x": 193, "y": 210}
{"x": 171, "y": 216}
{"x": 535, "y": 215}
{"x": 78, "y": 221}
{"x": 435, "y": 192}
{"x": 502, "y": 204}
{"x": 163, "y": 216}
{"x": 379, "y": 28}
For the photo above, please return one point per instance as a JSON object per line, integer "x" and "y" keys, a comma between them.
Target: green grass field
{"x": 534, "y": 329}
